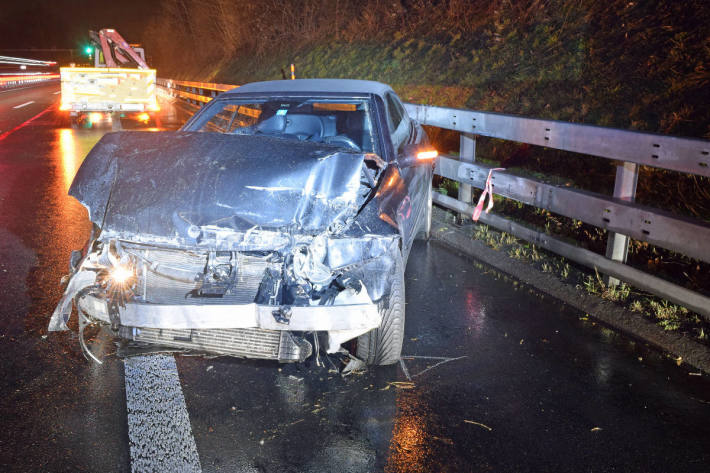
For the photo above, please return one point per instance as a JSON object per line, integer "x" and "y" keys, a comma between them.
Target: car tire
{"x": 425, "y": 230}
{"x": 383, "y": 345}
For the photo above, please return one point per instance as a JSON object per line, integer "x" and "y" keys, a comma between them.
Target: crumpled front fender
{"x": 369, "y": 259}
{"x": 61, "y": 314}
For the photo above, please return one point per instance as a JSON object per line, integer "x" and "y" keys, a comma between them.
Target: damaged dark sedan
{"x": 276, "y": 223}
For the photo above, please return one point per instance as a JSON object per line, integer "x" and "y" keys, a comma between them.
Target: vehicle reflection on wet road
{"x": 494, "y": 377}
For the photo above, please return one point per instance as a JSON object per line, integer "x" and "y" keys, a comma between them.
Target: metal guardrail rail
{"x": 17, "y": 80}
{"x": 668, "y": 152}
{"x": 195, "y": 93}
{"x": 619, "y": 214}
{"x": 642, "y": 223}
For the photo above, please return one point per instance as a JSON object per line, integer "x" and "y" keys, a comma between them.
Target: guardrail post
{"x": 617, "y": 245}
{"x": 467, "y": 154}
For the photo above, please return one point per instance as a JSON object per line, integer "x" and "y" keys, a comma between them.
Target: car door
{"x": 417, "y": 178}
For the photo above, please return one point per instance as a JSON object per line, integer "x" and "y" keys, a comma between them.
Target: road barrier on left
{"x": 19, "y": 80}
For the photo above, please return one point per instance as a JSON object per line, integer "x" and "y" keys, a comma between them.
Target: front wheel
{"x": 383, "y": 345}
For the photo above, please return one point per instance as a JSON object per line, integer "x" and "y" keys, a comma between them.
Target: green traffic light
{"x": 88, "y": 50}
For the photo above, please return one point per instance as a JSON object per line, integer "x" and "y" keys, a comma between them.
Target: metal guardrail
{"x": 195, "y": 93}
{"x": 642, "y": 223}
{"x": 661, "y": 151}
{"x": 18, "y": 80}
{"x": 619, "y": 214}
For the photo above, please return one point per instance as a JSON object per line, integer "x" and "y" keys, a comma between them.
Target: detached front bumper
{"x": 361, "y": 316}
{"x": 248, "y": 330}
{"x": 314, "y": 318}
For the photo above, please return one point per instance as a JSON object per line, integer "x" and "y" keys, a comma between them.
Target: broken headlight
{"x": 308, "y": 262}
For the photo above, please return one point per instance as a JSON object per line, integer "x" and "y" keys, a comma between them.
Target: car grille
{"x": 161, "y": 289}
{"x": 241, "y": 342}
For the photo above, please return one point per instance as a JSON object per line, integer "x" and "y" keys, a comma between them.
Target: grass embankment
{"x": 633, "y": 65}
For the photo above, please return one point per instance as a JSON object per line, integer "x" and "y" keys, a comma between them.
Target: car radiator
{"x": 173, "y": 277}
{"x": 240, "y": 342}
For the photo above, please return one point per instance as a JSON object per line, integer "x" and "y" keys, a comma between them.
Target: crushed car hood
{"x": 172, "y": 184}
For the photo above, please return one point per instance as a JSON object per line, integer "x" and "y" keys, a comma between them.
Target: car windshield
{"x": 341, "y": 122}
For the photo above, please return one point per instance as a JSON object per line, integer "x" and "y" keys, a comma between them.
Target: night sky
{"x": 65, "y": 23}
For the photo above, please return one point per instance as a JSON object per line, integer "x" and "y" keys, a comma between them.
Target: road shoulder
{"x": 459, "y": 237}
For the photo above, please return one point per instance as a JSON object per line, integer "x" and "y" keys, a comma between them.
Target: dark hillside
{"x": 641, "y": 65}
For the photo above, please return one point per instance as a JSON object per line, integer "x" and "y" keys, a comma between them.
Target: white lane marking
{"x": 24, "y": 104}
{"x": 55, "y": 93}
{"x": 159, "y": 429}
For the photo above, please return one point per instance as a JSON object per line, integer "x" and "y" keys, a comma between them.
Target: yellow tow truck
{"x": 120, "y": 85}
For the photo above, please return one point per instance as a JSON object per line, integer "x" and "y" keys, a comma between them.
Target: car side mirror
{"x": 416, "y": 155}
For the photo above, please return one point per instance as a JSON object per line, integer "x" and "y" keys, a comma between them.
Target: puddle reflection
{"x": 68, "y": 157}
{"x": 475, "y": 311}
{"x": 409, "y": 436}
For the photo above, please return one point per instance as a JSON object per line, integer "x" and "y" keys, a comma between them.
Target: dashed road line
{"x": 24, "y": 104}
{"x": 159, "y": 429}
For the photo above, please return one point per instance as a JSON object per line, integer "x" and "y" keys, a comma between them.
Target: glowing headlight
{"x": 121, "y": 274}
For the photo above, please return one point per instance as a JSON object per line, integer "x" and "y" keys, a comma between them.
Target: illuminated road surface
{"x": 494, "y": 378}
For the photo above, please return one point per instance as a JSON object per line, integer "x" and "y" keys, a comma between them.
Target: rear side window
{"x": 393, "y": 113}
{"x": 398, "y": 122}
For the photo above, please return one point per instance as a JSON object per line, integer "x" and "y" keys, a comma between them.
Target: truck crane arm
{"x": 114, "y": 48}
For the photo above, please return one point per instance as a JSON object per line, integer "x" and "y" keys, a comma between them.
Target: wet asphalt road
{"x": 495, "y": 378}
{"x": 21, "y": 104}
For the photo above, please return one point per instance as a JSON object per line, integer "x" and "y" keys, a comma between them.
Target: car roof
{"x": 348, "y": 86}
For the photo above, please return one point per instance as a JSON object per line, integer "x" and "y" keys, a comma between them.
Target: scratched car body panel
{"x": 277, "y": 221}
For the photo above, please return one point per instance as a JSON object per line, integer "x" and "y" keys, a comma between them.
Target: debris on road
{"x": 399, "y": 385}
{"x": 443, "y": 359}
{"x": 404, "y": 369}
{"x": 354, "y": 366}
{"x": 478, "y": 424}
{"x": 443, "y": 440}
